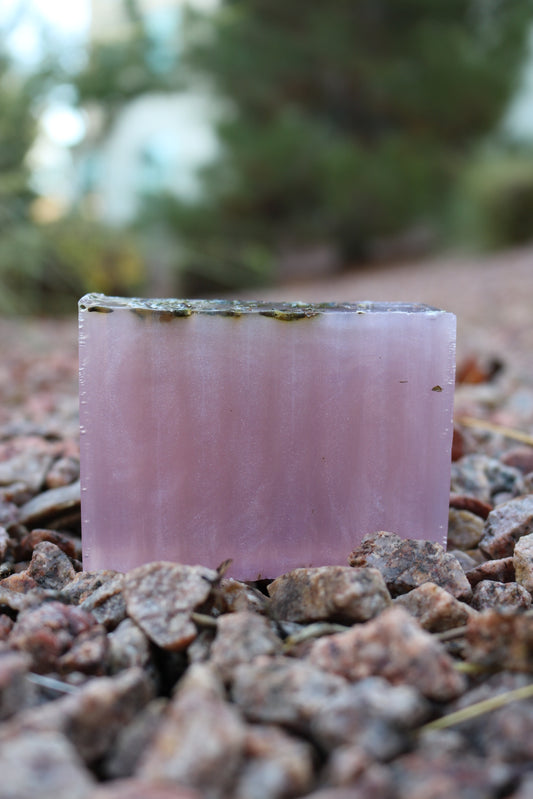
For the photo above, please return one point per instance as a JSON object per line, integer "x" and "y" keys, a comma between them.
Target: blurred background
{"x": 159, "y": 147}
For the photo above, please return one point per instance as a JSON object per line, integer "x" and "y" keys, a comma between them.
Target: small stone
{"x": 9, "y": 514}
{"x": 92, "y": 716}
{"x": 371, "y": 714}
{"x": 501, "y": 640}
{"x": 240, "y": 638}
{"x": 51, "y": 505}
{"x": 471, "y": 504}
{"x": 276, "y": 765}
{"x": 50, "y": 567}
{"x": 19, "y": 583}
{"x": 133, "y": 739}
{"x": 28, "y": 468}
{"x": 392, "y": 646}
{"x": 468, "y": 560}
{"x": 483, "y": 477}
{"x": 283, "y": 691}
{"x": 232, "y": 595}
{"x": 519, "y": 458}
{"x": 68, "y": 544}
{"x": 43, "y": 765}
{"x": 523, "y": 562}
{"x": 88, "y": 653}
{"x": 505, "y": 525}
{"x": 406, "y": 564}
{"x": 500, "y": 570}
{"x": 201, "y": 742}
{"x": 15, "y": 690}
{"x": 465, "y": 529}
{"x": 141, "y": 789}
{"x": 434, "y": 608}
{"x": 15, "y": 601}
{"x": 440, "y": 776}
{"x": 63, "y": 472}
{"x": 47, "y": 632}
{"x": 128, "y": 647}
{"x": 83, "y": 584}
{"x": 374, "y": 783}
{"x": 160, "y": 597}
{"x": 107, "y": 603}
{"x": 338, "y": 593}
{"x": 500, "y": 596}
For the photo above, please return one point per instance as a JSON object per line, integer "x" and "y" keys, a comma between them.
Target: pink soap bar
{"x": 276, "y": 435}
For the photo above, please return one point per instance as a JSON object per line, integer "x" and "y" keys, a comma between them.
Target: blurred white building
{"x": 158, "y": 141}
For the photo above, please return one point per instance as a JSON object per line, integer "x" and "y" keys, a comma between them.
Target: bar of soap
{"x": 276, "y": 435}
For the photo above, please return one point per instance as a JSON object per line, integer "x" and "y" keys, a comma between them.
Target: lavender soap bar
{"x": 277, "y": 435}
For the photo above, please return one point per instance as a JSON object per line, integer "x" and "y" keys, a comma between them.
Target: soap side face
{"x": 278, "y": 444}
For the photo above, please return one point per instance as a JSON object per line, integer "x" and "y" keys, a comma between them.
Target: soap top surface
{"x": 100, "y": 303}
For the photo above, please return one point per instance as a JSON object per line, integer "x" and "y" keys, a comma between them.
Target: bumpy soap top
{"x": 100, "y": 303}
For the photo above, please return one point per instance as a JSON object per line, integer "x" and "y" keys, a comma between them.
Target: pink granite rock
{"x": 275, "y": 435}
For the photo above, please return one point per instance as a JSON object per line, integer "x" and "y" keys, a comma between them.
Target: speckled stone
{"x": 406, "y": 564}
{"x": 501, "y": 640}
{"x": 465, "y": 529}
{"x": 240, "y": 638}
{"x": 338, "y": 593}
{"x": 160, "y": 597}
{"x": 505, "y": 525}
{"x": 434, "y": 608}
{"x": 201, "y": 742}
{"x": 393, "y": 646}
{"x": 523, "y": 562}
{"x": 500, "y": 596}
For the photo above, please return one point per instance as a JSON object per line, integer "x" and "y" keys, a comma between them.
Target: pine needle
{"x": 508, "y": 432}
{"x": 479, "y": 708}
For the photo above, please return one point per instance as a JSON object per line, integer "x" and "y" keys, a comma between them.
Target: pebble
{"x": 241, "y": 637}
{"x": 407, "y": 563}
{"x": 392, "y": 646}
{"x": 83, "y": 584}
{"x": 441, "y": 776}
{"x": 505, "y": 525}
{"x": 465, "y": 529}
{"x": 69, "y": 544}
{"x": 28, "y": 468}
{"x": 128, "y": 647}
{"x": 50, "y": 567}
{"x": 283, "y": 691}
{"x": 160, "y": 597}
{"x": 434, "y": 608}
{"x": 200, "y": 743}
{"x": 276, "y": 765}
{"x": 47, "y": 632}
{"x": 500, "y": 596}
{"x": 52, "y": 506}
{"x": 232, "y": 595}
{"x": 497, "y": 639}
{"x": 519, "y": 458}
{"x": 371, "y": 714}
{"x": 63, "y": 472}
{"x": 483, "y": 477}
{"x": 107, "y": 603}
{"x": 523, "y": 562}
{"x": 134, "y": 739}
{"x": 43, "y": 765}
{"x": 502, "y": 570}
{"x": 336, "y": 593}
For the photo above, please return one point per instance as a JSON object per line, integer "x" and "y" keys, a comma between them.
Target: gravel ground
{"x": 404, "y": 673}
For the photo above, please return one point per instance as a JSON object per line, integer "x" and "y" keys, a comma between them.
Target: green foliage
{"x": 494, "y": 201}
{"x": 351, "y": 120}
{"x": 44, "y": 269}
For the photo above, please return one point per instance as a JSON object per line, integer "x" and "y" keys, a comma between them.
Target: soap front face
{"x": 277, "y": 436}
